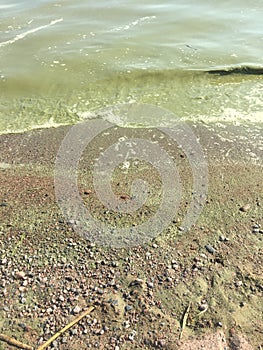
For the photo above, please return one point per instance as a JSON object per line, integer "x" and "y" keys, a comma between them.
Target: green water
{"x": 61, "y": 61}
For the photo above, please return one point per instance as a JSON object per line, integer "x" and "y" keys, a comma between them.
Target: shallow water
{"x": 62, "y": 60}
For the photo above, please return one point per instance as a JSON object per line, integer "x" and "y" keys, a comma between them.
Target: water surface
{"x": 62, "y": 60}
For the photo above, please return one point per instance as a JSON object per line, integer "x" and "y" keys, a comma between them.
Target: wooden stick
{"x": 185, "y": 317}
{"x": 55, "y": 336}
{"x": 14, "y": 342}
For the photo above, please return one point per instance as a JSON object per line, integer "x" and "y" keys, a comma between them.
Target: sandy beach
{"x": 49, "y": 273}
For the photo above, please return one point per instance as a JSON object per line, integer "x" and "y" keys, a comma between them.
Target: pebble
{"x": 238, "y": 283}
{"x": 210, "y": 249}
{"x": 203, "y": 306}
{"x": 202, "y": 255}
{"x": 3, "y": 261}
{"x": 55, "y": 344}
{"x": 245, "y": 207}
{"x": 150, "y": 285}
{"x": 74, "y": 331}
{"x": 161, "y": 342}
{"x": 128, "y": 307}
{"x": 175, "y": 267}
{"x": 76, "y": 310}
{"x": 61, "y": 298}
{"x": 20, "y": 275}
{"x": 137, "y": 282}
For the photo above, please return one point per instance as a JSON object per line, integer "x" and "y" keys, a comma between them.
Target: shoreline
{"x": 48, "y": 270}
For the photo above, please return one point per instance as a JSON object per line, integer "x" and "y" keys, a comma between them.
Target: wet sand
{"x": 49, "y": 273}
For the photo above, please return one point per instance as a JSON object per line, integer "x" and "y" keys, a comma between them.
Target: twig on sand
{"x": 55, "y": 336}
{"x": 184, "y": 319}
{"x": 14, "y": 342}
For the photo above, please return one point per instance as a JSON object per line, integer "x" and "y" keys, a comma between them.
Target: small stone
{"x": 150, "y": 285}
{"x": 128, "y": 307}
{"x": 210, "y": 249}
{"x": 161, "y": 342}
{"x": 131, "y": 337}
{"x": 69, "y": 278}
{"x": 203, "y": 306}
{"x": 238, "y": 283}
{"x": 3, "y": 261}
{"x": 175, "y": 267}
{"x": 137, "y": 282}
{"x": 74, "y": 331}
{"x": 245, "y": 207}
{"x": 202, "y": 255}
{"x": 21, "y": 275}
{"x": 76, "y": 310}
{"x": 55, "y": 344}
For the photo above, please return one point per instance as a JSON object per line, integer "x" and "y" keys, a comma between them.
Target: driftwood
{"x": 14, "y": 342}
{"x": 184, "y": 320}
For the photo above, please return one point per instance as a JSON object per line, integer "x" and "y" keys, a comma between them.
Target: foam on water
{"x": 132, "y": 24}
{"x": 31, "y": 31}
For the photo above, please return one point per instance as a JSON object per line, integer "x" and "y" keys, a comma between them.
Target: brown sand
{"x": 49, "y": 273}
